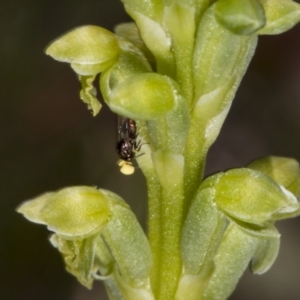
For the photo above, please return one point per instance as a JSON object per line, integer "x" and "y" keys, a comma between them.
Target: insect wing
{"x": 123, "y": 133}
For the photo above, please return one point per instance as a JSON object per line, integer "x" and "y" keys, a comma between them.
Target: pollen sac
{"x": 126, "y": 167}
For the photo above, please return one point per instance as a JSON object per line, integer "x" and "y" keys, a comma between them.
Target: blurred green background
{"x": 48, "y": 140}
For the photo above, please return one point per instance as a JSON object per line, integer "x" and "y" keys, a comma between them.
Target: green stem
{"x": 195, "y": 158}
{"x": 154, "y": 228}
{"x": 170, "y": 258}
{"x": 169, "y": 169}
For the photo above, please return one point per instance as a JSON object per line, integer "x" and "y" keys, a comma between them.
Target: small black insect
{"x": 127, "y": 144}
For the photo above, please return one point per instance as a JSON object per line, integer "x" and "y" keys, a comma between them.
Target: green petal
{"x": 88, "y": 94}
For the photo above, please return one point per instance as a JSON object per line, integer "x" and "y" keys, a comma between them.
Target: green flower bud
{"x": 240, "y": 17}
{"x": 89, "y": 49}
{"x": 144, "y": 96}
{"x": 281, "y": 15}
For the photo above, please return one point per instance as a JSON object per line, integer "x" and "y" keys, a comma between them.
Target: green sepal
{"x": 202, "y": 231}
{"x": 128, "y": 246}
{"x": 116, "y": 286}
{"x": 232, "y": 258}
{"x": 241, "y": 243}
{"x": 240, "y": 17}
{"x": 268, "y": 239}
{"x": 143, "y": 96}
{"x": 71, "y": 212}
{"x": 251, "y": 196}
{"x": 89, "y": 49}
{"x": 285, "y": 171}
{"x": 281, "y": 16}
{"x": 88, "y": 94}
